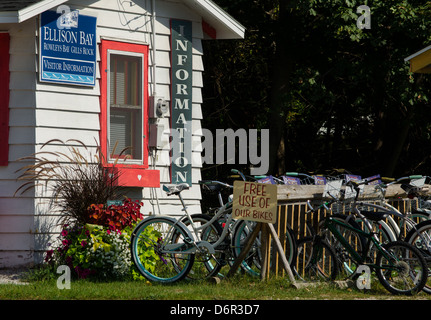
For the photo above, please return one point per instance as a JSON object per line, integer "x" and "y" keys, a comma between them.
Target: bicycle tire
{"x": 205, "y": 265}
{"x": 252, "y": 263}
{"x": 346, "y": 264}
{"x": 416, "y": 238}
{"x": 420, "y": 216}
{"x": 150, "y": 255}
{"x": 315, "y": 260}
{"x": 387, "y": 234}
{"x": 410, "y": 273}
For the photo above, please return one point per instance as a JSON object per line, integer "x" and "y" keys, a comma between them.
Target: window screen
{"x": 125, "y": 105}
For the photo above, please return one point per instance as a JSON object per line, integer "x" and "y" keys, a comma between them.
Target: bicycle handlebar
{"x": 297, "y": 174}
{"x": 412, "y": 177}
{"x": 207, "y": 182}
{"x": 243, "y": 176}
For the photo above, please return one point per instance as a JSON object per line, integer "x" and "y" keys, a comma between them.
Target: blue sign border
{"x": 68, "y": 50}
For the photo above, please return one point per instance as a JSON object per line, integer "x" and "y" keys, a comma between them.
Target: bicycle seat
{"x": 374, "y": 216}
{"x": 211, "y": 185}
{"x": 176, "y": 188}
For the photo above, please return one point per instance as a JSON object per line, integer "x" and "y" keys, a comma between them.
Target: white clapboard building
{"x": 98, "y": 71}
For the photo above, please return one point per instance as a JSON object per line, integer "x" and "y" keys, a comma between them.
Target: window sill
{"x": 137, "y": 176}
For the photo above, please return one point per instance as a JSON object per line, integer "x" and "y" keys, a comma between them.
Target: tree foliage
{"x": 333, "y": 95}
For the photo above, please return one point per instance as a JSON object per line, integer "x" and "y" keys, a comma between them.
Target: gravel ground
{"x": 13, "y": 276}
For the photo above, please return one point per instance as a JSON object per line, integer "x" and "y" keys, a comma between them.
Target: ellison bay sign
{"x": 68, "y": 48}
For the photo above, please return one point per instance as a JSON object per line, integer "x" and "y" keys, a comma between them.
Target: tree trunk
{"x": 281, "y": 67}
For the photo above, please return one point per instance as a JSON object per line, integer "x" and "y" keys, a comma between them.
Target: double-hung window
{"x": 125, "y": 119}
{"x": 123, "y": 114}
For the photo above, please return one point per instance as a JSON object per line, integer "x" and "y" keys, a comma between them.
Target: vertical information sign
{"x": 181, "y": 101}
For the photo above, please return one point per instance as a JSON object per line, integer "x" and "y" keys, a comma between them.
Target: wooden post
{"x": 248, "y": 244}
{"x": 264, "y": 249}
{"x": 282, "y": 255}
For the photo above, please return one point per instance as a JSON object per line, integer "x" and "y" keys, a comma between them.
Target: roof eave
{"x": 420, "y": 62}
{"x": 226, "y": 26}
{"x": 9, "y": 17}
{"x": 417, "y": 53}
{"x": 29, "y": 12}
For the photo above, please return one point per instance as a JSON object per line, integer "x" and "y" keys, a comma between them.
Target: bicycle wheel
{"x": 420, "y": 238}
{"x": 159, "y": 249}
{"x": 206, "y": 265}
{"x": 316, "y": 260}
{"x": 252, "y": 263}
{"x": 419, "y": 216}
{"x": 401, "y": 268}
{"x": 346, "y": 264}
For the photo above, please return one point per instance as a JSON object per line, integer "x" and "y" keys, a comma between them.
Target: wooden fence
{"x": 292, "y": 208}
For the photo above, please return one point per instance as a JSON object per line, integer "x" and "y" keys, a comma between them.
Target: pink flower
{"x": 49, "y": 254}
{"x": 83, "y": 243}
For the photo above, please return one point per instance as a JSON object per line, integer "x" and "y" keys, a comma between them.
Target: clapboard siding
{"x": 16, "y": 206}
{"x": 17, "y": 223}
{"x": 40, "y": 112}
{"x": 16, "y": 213}
{"x": 89, "y": 137}
{"x": 66, "y": 119}
{"x": 10, "y": 257}
{"x": 22, "y": 99}
{"x": 68, "y": 101}
{"x": 134, "y": 24}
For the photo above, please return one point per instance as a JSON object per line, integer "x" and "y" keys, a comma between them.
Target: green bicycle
{"x": 399, "y": 266}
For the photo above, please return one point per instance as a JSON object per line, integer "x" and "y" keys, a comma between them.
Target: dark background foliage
{"x": 332, "y": 95}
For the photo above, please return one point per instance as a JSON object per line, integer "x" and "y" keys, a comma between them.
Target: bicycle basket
{"x": 333, "y": 189}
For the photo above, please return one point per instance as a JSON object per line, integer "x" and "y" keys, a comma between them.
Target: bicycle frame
{"x": 391, "y": 210}
{"x": 371, "y": 237}
{"x": 386, "y": 207}
{"x": 197, "y": 241}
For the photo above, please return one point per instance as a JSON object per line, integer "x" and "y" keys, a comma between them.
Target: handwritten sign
{"x": 254, "y": 201}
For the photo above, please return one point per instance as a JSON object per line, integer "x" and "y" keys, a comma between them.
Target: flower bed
{"x": 99, "y": 249}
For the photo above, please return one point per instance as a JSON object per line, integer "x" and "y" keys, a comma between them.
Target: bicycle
{"x": 399, "y": 266}
{"x": 379, "y": 214}
{"x": 414, "y": 226}
{"x": 407, "y": 220}
{"x": 240, "y": 230}
{"x": 164, "y": 249}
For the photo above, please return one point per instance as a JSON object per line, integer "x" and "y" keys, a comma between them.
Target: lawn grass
{"x": 238, "y": 288}
{"x": 269, "y": 299}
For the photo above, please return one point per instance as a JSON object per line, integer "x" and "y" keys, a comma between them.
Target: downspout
{"x": 153, "y": 34}
{"x": 153, "y": 31}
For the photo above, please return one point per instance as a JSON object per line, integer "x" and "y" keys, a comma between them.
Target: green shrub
{"x": 93, "y": 250}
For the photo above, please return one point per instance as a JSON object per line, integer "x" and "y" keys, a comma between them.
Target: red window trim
{"x": 4, "y": 98}
{"x": 132, "y": 175}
